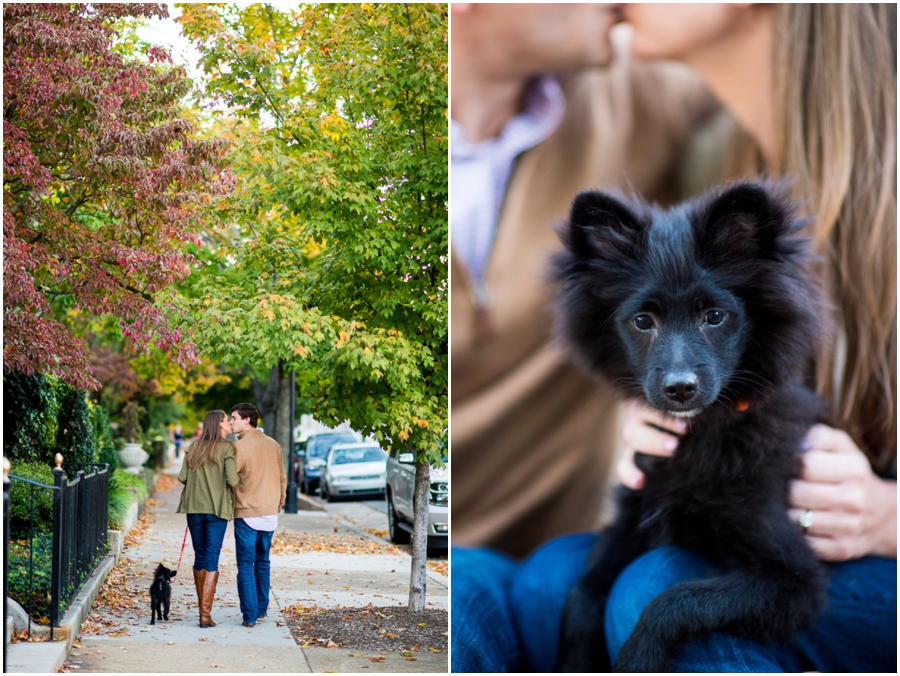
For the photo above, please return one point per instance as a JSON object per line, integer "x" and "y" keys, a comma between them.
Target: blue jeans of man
{"x": 857, "y": 632}
{"x": 207, "y": 534}
{"x": 251, "y": 549}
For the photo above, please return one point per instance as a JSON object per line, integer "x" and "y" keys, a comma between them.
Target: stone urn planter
{"x": 132, "y": 457}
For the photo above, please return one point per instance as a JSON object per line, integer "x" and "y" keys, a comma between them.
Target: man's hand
{"x": 854, "y": 512}
{"x": 640, "y": 434}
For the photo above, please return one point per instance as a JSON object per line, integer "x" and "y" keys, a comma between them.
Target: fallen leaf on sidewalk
{"x": 439, "y": 567}
{"x": 377, "y": 659}
{"x": 165, "y": 483}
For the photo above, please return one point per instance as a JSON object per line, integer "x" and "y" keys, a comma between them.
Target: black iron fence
{"x": 79, "y": 537}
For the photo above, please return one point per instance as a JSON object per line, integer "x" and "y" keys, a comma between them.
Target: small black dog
{"x": 161, "y": 594}
{"x": 706, "y": 311}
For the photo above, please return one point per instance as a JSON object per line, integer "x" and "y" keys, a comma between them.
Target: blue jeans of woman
{"x": 251, "y": 549}
{"x": 207, "y": 534}
{"x": 857, "y": 632}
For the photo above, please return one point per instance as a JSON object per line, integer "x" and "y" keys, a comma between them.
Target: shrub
{"x": 20, "y": 498}
{"x": 104, "y": 448}
{"x": 19, "y": 568}
{"x": 75, "y": 432}
{"x": 123, "y": 478}
{"x": 119, "y": 501}
{"x": 30, "y": 408}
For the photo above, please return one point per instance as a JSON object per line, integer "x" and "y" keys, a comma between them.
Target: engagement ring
{"x": 806, "y": 521}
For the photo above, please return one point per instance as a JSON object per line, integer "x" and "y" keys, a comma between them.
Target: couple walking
{"x": 244, "y": 481}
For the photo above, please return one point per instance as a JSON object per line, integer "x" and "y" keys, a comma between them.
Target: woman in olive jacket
{"x": 209, "y": 475}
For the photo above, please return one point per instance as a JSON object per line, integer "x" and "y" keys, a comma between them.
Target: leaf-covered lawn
{"x": 297, "y": 543}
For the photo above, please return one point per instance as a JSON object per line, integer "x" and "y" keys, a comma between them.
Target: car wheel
{"x": 398, "y": 535}
{"x": 323, "y": 488}
{"x": 303, "y": 487}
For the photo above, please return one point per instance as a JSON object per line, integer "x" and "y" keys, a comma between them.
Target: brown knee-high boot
{"x": 198, "y": 585}
{"x": 206, "y": 591}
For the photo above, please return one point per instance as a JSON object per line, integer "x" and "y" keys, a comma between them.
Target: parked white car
{"x": 354, "y": 470}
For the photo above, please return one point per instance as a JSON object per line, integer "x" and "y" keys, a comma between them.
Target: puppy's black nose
{"x": 680, "y": 386}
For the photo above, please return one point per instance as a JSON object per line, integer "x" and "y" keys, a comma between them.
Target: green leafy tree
{"x": 341, "y": 202}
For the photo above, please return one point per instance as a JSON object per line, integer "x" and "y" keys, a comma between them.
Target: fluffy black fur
{"x": 161, "y": 593}
{"x": 706, "y": 311}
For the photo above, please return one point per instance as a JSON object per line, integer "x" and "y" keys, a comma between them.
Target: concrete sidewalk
{"x": 128, "y": 643}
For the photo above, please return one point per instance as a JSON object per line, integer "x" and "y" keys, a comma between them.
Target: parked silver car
{"x": 353, "y": 470}
{"x": 401, "y": 482}
{"x": 311, "y": 457}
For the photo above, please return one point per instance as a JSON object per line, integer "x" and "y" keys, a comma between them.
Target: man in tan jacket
{"x": 258, "y": 500}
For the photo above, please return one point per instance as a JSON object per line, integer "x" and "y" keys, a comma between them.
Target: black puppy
{"x": 708, "y": 312}
{"x": 161, "y": 593}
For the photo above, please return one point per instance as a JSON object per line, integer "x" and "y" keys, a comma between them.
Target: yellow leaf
{"x": 403, "y": 435}
{"x": 300, "y": 350}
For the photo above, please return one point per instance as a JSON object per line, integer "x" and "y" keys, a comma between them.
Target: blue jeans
{"x": 858, "y": 631}
{"x": 251, "y": 549}
{"x": 483, "y": 638}
{"x": 207, "y": 534}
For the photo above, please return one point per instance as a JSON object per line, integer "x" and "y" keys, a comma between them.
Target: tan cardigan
{"x": 261, "y": 469}
{"x": 532, "y": 438}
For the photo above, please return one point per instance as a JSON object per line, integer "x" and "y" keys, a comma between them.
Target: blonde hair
{"x": 205, "y": 450}
{"x": 835, "y": 95}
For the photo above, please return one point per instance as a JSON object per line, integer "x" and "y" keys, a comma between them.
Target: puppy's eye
{"x": 714, "y": 317}
{"x": 643, "y": 322}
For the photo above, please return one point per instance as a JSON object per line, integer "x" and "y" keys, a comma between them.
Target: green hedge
{"x": 20, "y": 498}
{"x": 30, "y": 409}
{"x": 75, "y": 429}
{"x": 104, "y": 448}
{"x": 44, "y": 416}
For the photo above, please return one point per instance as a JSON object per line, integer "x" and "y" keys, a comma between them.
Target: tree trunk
{"x": 282, "y": 431}
{"x": 274, "y": 403}
{"x": 420, "y": 537}
{"x": 266, "y": 395}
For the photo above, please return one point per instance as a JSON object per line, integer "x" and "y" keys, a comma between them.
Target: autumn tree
{"x": 102, "y": 180}
{"x": 341, "y": 199}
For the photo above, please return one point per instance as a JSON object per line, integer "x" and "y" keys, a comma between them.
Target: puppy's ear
{"x": 747, "y": 218}
{"x": 602, "y": 225}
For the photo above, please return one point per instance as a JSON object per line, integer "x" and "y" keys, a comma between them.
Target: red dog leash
{"x": 183, "y": 542}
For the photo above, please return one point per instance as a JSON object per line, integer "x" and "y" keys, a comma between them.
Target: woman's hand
{"x": 640, "y": 435}
{"x": 854, "y": 512}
